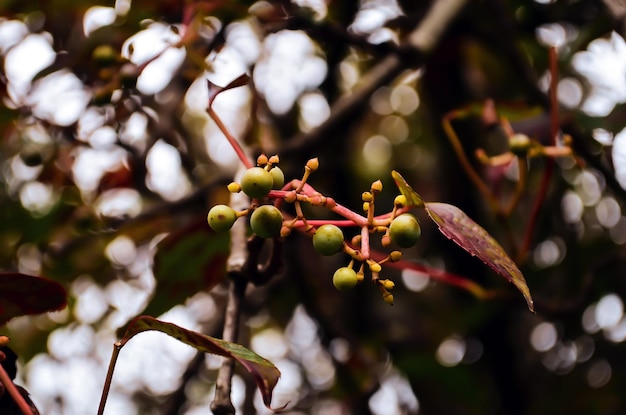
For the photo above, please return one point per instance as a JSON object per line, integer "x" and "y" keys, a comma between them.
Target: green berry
{"x": 256, "y": 182}
{"x": 345, "y": 279}
{"x": 278, "y": 177}
{"x": 221, "y": 218}
{"x": 405, "y": 230}
{"x": 328, "y": 239}
{"x": 266, "y": 221}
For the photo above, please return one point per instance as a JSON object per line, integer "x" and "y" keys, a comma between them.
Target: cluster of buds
{"x": 265, "y": 185}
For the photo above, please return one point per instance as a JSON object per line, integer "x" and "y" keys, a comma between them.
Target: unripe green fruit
{"x": 256, "y": 182}
{"x": 266, "y": 221}
{"x": 345, "y": 279}
{"x": 404, "y": 230}
{"x": 328, "y": 239}
{"x": 221, "y": 218}
{"x": 278, "y": 177}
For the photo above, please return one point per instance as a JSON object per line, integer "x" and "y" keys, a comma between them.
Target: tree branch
{"x": 418, "y": 45}
{"x": 236, "y": 267}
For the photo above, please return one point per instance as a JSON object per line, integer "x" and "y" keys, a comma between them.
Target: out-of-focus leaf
{"x": 455, "y": 225}
{"x": 412, "y": 198}
{"x": 188, "y": 261}
{"x": 263, "y": 371}
{"x": 22, "y": 295}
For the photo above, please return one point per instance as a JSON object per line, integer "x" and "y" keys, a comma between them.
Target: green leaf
{"x": 187, "y": 261}
{"x": 412, "y": 198}
{"x": 263, "y": 371}
{"x": 22, "y": 294}
{"x": 455, "y": 225}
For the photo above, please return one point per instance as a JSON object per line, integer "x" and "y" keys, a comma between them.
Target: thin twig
{"x": 15, "y": 394}
{"x": 236, "y": 268}
{"x": 107, "y": 383}
{"x": 549, "y": 166}
{"x": 466, "y": 165}
{"x": 222, "y": 404}
{"x": 522, "y": 166}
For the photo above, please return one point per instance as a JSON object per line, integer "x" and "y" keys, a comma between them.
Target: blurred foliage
{"x": 109, "y": 168}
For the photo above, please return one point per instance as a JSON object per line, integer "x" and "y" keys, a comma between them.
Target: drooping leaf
{"x": 215, "y": 90}
{"x": 187, "y": 261}
{"x": 412, "y": 198}
{"x": 22, "y": 294}
{"x": 263, "y": 371}
{"x": 455, "y": 225}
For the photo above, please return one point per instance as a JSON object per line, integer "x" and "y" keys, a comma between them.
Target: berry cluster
{"x": 265, "y": 185}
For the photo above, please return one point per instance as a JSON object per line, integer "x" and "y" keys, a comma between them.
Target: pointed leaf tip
{"x": 455, "y": 225}
{"x": 215, "y": 90}
{"x": 412, "y": 198}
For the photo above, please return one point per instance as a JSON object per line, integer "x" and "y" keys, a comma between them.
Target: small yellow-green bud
{"x": 388, "y": 284}
{"x": 234, "y": 187}
{"x": 395, "y": 256}
{"x": 377, "y": 186}
{"x": 399, "y": 201}
{"x": 261, "y": 160}
{"x": 375, "y": 267}
{"x": 274, "y": 159}
{"x": 388, "y": 298}
{"x": 519, "y": 144}
{"x": 367, "y": 197}
{"x": 385, "y": 240}
{"x": 313, "y": 164}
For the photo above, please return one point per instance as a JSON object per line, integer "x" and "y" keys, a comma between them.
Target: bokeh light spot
{"x": 543, "y": 336}
{"x": 609, "y": 311}
{"x": 451, "y": 351}
{"x": 599, "y": 374}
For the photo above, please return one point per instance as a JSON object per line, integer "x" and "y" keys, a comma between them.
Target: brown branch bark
{"x": 236, "y": 268}
{"x": 416, "y": 48}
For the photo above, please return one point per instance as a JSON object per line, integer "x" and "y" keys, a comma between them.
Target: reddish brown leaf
{"x": 263, "y": 371}
{"x": 215, "y": 90}
{"x": 455, "y": 225}
{"x": 22, "y": 295}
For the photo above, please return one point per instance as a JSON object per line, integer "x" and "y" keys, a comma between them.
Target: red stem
{"x": 353, "y": 218}
{"x": 15, "y": 394}
{"x": 233, "y": 142}
{"x": 436, "y": 274}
